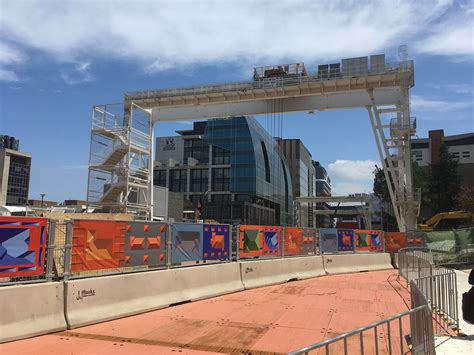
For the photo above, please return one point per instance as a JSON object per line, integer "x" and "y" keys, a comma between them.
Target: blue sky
{"x": 59, "y": 58}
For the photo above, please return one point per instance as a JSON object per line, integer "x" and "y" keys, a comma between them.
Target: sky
{"x": 59, "y": 58}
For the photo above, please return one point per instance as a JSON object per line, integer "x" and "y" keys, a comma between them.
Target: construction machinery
{"x": 447, "y": 220}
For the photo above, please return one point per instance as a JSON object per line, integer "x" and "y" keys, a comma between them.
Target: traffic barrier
{"x": 95, "y": 300}
{"x": 340, "y": 264}
{"x": 30, "y": 310}
{"x": 260, "y": 273}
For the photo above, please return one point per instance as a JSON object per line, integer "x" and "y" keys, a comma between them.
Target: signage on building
{"x": 169, "y": 145}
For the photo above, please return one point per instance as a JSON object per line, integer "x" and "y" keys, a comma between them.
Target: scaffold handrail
{"x": 390, "y": 68}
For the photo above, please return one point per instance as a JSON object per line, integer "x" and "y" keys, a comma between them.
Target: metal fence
{"x": 437, "y": 285}
{"x": 441, "y": 294}
{"x": 410, "y": 330}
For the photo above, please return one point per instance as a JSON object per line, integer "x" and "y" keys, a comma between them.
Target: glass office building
{"x": 231, "y": 168}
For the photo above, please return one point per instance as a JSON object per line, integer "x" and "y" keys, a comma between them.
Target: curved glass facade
{"x": 258, "y": 173}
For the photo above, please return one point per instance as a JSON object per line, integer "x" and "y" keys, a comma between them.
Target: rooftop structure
{"x": 372, "y": 83}
{"x": 15, "y": 169}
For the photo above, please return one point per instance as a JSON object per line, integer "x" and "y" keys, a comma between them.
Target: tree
{"x": 389, "y": 221}
{"x": 444, "y": 184}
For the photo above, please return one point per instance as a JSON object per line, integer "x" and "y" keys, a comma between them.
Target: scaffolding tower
{"x": 120, "y": 160}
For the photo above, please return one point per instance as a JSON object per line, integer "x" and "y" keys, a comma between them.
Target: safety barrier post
{"x": 50, "y": 250}
{"x": 68, "y": 249}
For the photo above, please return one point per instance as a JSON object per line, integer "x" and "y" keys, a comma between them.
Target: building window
{"x": 199, "y": 180}
{"x": 466, "y": 154}
{"x": 285, "y": 177}
{"x": 18, "y": 181}
{"x": 220, "y": 156}
{"x": 455, "y": 155}
{"x": 267, "y": 163}
{"x": 178, "y": 180}
{"x": 304, "y": 179}
{"x": 159, "y": 178}
{"x": 220, "y": 179}
{"x": 197, "y": 149}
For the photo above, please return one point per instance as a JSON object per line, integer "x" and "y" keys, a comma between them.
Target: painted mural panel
{"x": 368, "y": 240}
{"x": 345, "y": 240}
{"x": 186, "y": 242}
{"x": 216, "y": 242}
{"x": 299, "y": 241}
{"x": 145, "y": 244}
{"x": 293, "y": 241}
{"x": 328, "y": 240}
{"x": 394, "y": 241}
{"x": 250, "y": 241}
{"x": 97, "y": 245}
{"x": 22, "y": 246}
{"x": 310, "y": 237}
{"x": 258, "y": 241}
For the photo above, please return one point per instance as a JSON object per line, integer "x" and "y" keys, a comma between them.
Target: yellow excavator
{"x": 447, "y": 220}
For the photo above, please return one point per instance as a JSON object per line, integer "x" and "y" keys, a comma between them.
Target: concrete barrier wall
{"x": 346, "y": 263}
{"x": 94, "y": 300}
{"x": 30, "y": 310}
{"x": 258, "y": 273}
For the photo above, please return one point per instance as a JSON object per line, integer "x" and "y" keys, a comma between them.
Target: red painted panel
{"x": 394, "y": 241}
{"x": 22, "y": 246}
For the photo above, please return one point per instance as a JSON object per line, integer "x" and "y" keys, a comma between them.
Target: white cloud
{"x": 452, "y": 36}
{"x": 351, "y": 176}
{"x": 161, "y": 35}
{"x": 421, "y": 104}
{"x": 353, "y": 170}
{"x": 9, "y": 56}
{"x": 7, "y": 75}
{"x": 79, "y": 73}
{"x": 347, "y": 188}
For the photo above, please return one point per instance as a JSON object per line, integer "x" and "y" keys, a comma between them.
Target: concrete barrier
{"x": 258, "y": 273}
{"x": 100, "y": 299}
{"x": 346, "y": 263}
{"x": 30, "y": 310}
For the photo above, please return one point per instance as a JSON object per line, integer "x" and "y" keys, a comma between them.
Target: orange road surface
{"x": 268, "y": 320}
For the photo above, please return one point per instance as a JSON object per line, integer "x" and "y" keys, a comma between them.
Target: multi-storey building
{"x": 425, "y": 152}
{"x": 15, "y": 169}
{"x": 322, "y": 188}
{"x": 230, "y": 169}
{"x": 302, "y": 176}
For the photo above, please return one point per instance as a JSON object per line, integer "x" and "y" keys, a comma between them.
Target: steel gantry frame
{"x": 381, "y": 88}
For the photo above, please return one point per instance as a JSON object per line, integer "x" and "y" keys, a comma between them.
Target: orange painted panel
{"x": 394, "y": 241}
{"x": 98, "y": 245}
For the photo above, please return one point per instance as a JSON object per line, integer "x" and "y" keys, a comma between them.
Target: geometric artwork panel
{"x": 368, "y": 240}
{"x": 328, "y": 240}
{"x": 345, "y": 240}
{"x": 22, "y": 246}
{"x": 299, "y": 241}
{"x": 187, "y": 242}
{"x": 257, "y": 241}
{"x": 394, "y": 241}
{"x": 250, "y": 241}
{"x": 309, "y": 241}
{"x": 293, "y": 241}
{"x": 272, "y": 241}
{"x": 145, "y": 244}
{"x": 216, "y": 242}
{"x": 98, "y": 244}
